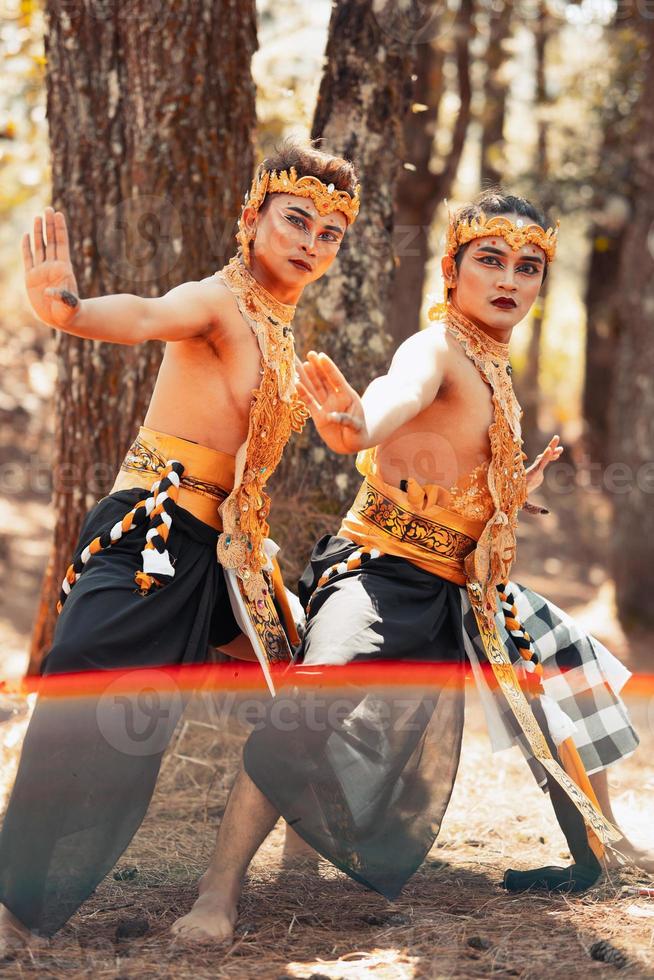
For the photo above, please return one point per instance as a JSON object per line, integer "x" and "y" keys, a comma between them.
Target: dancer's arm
{"x": 187, "y": 311}
{"x": 348, "y": 423}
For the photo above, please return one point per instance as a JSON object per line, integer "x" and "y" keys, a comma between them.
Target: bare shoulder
{"x": 429, "y": 340}
{"x": 439, "y": 337}
{"x": 215, "y": 291}
{"x": 425, "y": 347}
{"x": 225, "y": 312}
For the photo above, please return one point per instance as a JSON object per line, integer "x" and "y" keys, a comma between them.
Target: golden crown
{"x": 515, "y": 233}
{"x": 325, "y": 196}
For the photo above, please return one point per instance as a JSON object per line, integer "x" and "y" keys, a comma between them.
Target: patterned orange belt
{"x": 405, "y": 524}
{"x": 199, "y": 484}
{"x": 206, "y": 482}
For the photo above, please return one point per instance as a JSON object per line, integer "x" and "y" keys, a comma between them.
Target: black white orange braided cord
{"x": 158, "y": 508}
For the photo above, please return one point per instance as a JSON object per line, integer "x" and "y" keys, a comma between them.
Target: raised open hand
{"x": 536, "y": 472}
{"x": 335, "y": 407}
{"x": 49, "y": 277}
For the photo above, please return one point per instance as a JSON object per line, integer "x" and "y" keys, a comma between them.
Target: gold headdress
{"x": 325, "y": 197}
{"x": 515, "y": 233}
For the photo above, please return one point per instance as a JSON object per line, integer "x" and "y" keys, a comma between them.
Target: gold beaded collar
{"x": 275, "y": 412}
{"x": 490, "y": 563}
{"x": 483, "y": 341}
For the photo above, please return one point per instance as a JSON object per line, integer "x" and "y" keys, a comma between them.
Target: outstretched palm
{"x": 335, "y": 407}
{"x": 536, "y": 472}
{"x": 49, "y": 277}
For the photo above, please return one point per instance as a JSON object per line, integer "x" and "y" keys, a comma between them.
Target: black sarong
{"x": 364, "y": 773}
{"x": 90, "y": 760}
{"x": 367, "y": 785}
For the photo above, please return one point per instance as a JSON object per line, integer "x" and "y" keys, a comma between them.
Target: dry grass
{"x": 296, "y": 925}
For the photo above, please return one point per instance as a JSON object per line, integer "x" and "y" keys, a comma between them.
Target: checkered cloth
{"x": 579, "y": 673}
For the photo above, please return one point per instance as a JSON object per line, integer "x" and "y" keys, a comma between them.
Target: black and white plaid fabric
{"x": 579, "y": 673}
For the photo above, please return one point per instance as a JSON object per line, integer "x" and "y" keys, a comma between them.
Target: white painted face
{"x": 295, "y": 243}
{"x": 495, "y": 285}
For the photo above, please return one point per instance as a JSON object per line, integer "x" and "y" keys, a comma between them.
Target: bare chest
{"x": 204, "y": 388}
{"x": 446, "y": 441}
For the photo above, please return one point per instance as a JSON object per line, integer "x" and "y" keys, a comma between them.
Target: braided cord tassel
{"x": 518, "y": 633}
{"x": 142, "y": 512}
{"x": 356, "y": 560}
{"x": 156, "y": 560}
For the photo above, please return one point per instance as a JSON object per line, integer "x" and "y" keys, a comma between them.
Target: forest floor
{"x": 452, "y": 920}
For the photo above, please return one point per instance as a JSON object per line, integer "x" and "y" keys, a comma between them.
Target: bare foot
{"x": 213, "y": 917}
{"x": 297, "y": 854}
{"x": 643, "y": 859}
{"x": 13, "y": 934}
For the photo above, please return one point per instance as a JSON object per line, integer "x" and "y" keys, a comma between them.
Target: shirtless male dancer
{"x": 415, "y": 575}
{"x": 145, "y": 588}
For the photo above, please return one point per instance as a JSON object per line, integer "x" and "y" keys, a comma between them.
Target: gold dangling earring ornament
{"x": 245, "y": 239}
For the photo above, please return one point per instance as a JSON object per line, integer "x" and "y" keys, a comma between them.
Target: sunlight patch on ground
{"x": 382, "y": 964}
{"x": 12, "y": 733}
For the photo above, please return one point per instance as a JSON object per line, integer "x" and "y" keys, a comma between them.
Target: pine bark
{"x": 365, "y": 94}
{"x": 495, "y": 94}
{"x": 631, "y": 479}
{"x": 613, "y": 201}
{"x": 529, "y": 390}
{"x": 151, "y": 107}
{"x": 417, "y": 195}
{"x": 421, "y": 187}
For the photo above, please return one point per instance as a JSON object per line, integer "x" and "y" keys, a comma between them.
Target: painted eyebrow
{"x": 498, "y": 251}
{"x": 305, "y": 214}
{"x": 311, "y": 217}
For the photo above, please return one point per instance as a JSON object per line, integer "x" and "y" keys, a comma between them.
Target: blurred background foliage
{"x": 592, "y": 79}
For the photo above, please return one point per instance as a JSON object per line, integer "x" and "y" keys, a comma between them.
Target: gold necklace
{"x": 240, "y": 280}
{"x": 275, "y": 412}
{"x": 485, "y": 343}
{"x": 490, "y": 563}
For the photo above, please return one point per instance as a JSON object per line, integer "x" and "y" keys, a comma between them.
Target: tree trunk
{"x": 362, "y": 103}
{"x": 420, "y": 189}
{"x": 528, "y": 385}
{"x": 150, "y": 167}
{"x": 495, "y": 93}
{"x": 601, "y": 339}
{"x": 417, "y": 189}
{"x": 613, "y": 201}
{"x": 631, "y": 476}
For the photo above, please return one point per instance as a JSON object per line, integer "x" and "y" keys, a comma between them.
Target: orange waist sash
{"x": 411, "y": 525}
{"x": 206, "y": 482}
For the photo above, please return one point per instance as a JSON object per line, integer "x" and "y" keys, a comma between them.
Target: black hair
{"x": 309, "y": 161}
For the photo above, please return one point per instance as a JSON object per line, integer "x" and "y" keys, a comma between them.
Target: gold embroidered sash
{"x": 431, "y": 537}
{"x": 208, "y": 474}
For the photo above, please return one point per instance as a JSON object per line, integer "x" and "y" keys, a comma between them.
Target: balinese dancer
{"x": 420, "y": 574}
{"x": 176, "y": 557}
